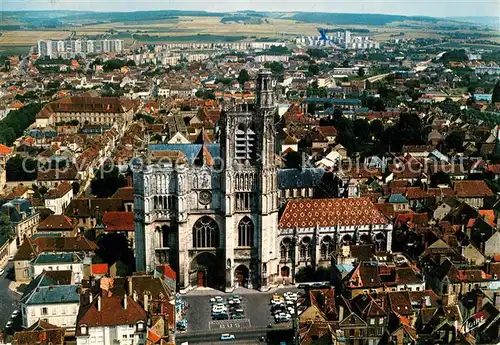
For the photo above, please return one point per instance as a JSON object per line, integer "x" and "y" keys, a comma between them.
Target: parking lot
{"x": 256, "y": 310}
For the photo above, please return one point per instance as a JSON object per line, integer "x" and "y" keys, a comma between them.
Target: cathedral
{"x": 210, "y": 210}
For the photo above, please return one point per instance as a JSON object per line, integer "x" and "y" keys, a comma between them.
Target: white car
{"x": 227, "y": 337}
{"x": 1, "y": 272}
{"x": 218, "y": 309}
{"x": 9, "y": 324}
{"x": 11, "y": 257}
{"x": 15, "y": 313}
{"x": 279, "y": 316}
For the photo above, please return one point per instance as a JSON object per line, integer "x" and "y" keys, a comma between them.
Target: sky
{"x": 439, "y": 8}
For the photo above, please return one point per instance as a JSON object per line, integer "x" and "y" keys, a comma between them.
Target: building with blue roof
{"x": 58, "y": 262}
{"x": 58, "y": 304}
{"x": 400, "y": 202}
{"x": 23, "y": 216}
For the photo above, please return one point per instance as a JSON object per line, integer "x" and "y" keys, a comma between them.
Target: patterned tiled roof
{"x": 330, "y": 212}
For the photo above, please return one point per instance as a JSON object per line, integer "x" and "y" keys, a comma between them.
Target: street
{"x": 8, "y": 299}
{"x": 248, "y": 337}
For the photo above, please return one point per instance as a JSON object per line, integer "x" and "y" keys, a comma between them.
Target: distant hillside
{"x": 355, "y": 18}
{"x": 138, "y": 16}
{"x": 486, "y": 20}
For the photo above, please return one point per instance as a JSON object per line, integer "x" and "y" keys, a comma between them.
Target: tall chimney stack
{"x": 99, "y": 303}
{"x": 125, "y": 301}
{"x": 146, "y": 302}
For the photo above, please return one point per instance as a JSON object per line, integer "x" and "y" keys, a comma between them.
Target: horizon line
{"x": 257, "y": 11}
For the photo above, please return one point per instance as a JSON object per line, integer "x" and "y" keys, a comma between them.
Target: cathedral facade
{"x": 210, "y": 210}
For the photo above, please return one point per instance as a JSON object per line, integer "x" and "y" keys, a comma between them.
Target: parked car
{"x": 237, "y": 316}
{"x": 1, "y": 272}
{"x": 218, "y": 308}
{"x": 221, "y": 316}
{"x": 9, "y": 324}
{"x": 11, "y": 257}
{"x": 227, "y": 337}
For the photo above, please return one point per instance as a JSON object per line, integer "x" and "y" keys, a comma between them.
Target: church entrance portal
{"x": 206, "y": 271}
{"x": 241, "y": 275}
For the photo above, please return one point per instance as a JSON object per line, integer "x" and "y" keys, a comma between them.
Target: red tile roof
{"x": 5, "y": 150}
{"x": 59, "y": 191}
{"x": 125, "y": 194}
{"x": 167, "y": 271}
{"x": 118, "y": 221}
{"x": 112, "y": 312}
{"x": 57, "y": 222}
{"x": 330, "y": 212}
{"x": 99, "y": 268}
{"x": 471, "y": 189}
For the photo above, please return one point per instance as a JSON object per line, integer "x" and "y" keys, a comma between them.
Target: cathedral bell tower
{"x": 249, "y": 182}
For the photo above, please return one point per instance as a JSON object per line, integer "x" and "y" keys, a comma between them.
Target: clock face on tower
{"x": 205, "y": 197}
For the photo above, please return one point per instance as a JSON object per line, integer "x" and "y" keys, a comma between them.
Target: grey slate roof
{"x": 303, "y": 178}
{"x": 48, "y": 258}
{"x": 52, "y": 294}
{"x": 190, "y": 150}
{"x": 397, "y": 199}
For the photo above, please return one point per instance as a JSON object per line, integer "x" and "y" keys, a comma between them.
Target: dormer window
{"x": 140, "y": 326}
{"x": 83, "y": 329}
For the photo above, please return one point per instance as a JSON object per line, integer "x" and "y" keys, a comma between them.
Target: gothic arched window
{"x": 285, "y": 246}
{"x": 245, "y": 143}
{"x": 245, "y": 232}
{"x": 205, "y": 233}
{"x": 326, "y": 248}
{"x": 305, "y": 249}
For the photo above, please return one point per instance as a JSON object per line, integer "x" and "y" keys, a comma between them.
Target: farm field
{"x": 24, "y": 38}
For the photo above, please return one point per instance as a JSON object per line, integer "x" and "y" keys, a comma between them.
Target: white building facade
{"x": 58, "y": 305}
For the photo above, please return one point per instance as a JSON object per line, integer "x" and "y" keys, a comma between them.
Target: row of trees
{"x": 16, "y": 122}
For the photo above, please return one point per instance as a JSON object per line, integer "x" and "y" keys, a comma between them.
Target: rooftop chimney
{"x": 125, "y": 301}
{"x": 129, "y": 286}
{"x": 99, "y": 303}
{"x": 146, "y": 302}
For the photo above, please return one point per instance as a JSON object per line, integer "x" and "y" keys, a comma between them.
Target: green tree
{"x": 440, "y": 178}
{"x": 275, "y": 67}
{"x": 107, "y": 182}
{"x": 361, "y": 72}
{"x": 21, "y": 169}
{"x": 6, "y": 227}
{"x": 293, "y": 160}
{"x": 495, "y": 97}
{"x": 313, "y": 69}
{"x": 362, "y": 129}
{"x": 455, "y": 141}
{"x": 376, "y": 128}
{"x": 243, "y": 77}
